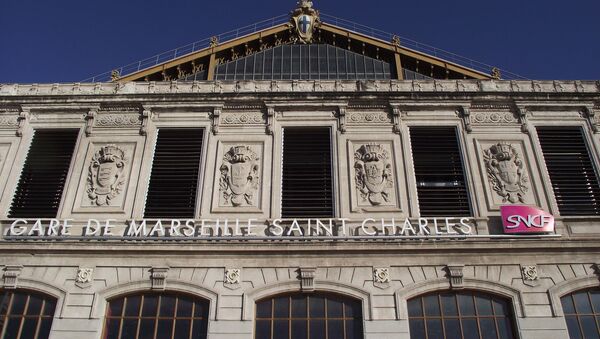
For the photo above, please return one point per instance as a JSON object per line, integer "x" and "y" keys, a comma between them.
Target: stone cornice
{"x": 308, "y": 86}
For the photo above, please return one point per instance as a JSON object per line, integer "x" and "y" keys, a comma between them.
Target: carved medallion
{"x": 305, "y": 20}
{"x": 506, "y": 173}
{"x": 239, "y": 176}
{"x": 232, "y": 276}
{"x": 105, "y": 176}
{"x": 84, "y": 275}
{"x": 373, "y": 174}
{"x": 381, "y": 275}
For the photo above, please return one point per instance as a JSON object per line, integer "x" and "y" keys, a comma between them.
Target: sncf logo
{"x": 525, "y": 219}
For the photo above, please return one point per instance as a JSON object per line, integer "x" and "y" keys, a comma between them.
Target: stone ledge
{"x": 304, "y": 86}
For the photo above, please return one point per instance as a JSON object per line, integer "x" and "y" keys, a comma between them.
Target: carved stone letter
{"x": 105, "y": 175}
{"x": 373, "y": 174}
{"x": 506, "y": 173}
{"x": 239, "y": 176}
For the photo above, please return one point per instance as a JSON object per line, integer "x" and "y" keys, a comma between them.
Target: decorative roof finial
{"x": 305, "y": 4}
{"x": 496, "y": 73}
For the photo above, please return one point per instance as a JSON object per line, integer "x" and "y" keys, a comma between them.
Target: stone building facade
{"x": 382, "y": 238}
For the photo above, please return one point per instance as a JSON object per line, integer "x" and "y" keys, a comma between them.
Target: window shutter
{"x": 307, "y": 187}
{"x": 44, "y": 175}
{"x": 439, "y": 172}
{"x": 174, "y": 177}
{"x": 571, "y": 171}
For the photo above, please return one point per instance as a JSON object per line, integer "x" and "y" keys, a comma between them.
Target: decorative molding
{"x": 11, "y": 276}
{"x": 215, "y": 120}
{"x": 589, "y": 112}
{"x": 270, "y": 120}
{"x": 232, "y": 276}
{"x": 522, "y": 114}
{"x": 89, "y": 121}
{"x": 530, "y": 275}
{"x": 21, "y": 121}
{"x": 158, "y": 277}
{"x": 242, "y": 118}
{"x": 506, "y": 173}
{"x": 368, "y": 118}
{"x": 9, "y": 116}
{"x": 455, "y": 275}
{"x": 342, "y": 118}
{"x": 397, "y": 114}
{"x": 307, "y": 278}
{"x": 239, "y": 177}
{"x": 106, "y": 175}
{"x": 146, "y": 114}
{"x": 465, "y": 113}
{"x": 373, "y": 174}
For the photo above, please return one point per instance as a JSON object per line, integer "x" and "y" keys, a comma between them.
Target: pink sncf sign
{"x": 519, "y": 219}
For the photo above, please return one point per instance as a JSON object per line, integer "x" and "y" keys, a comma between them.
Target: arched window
{"x": 582, "y": 312}
{"x": 156, "y": 316}
{"x": 25, "y": 314}
{"x": 460, "y": 315}
{"x": 309, "y": 316}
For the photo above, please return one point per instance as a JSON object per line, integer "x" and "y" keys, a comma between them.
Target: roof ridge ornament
{"x": 305, "y": 19}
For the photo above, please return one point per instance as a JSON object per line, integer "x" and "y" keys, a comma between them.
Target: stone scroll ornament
{"x": 373, "y": 174}
{"x": 505, "y": 172}
{"x": 239, "y": 176}
{"x": 106, "y": 175}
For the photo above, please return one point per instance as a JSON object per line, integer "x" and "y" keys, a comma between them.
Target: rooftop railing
{"x": 329, "y": 19}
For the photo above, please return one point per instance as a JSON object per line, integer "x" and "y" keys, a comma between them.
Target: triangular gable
{"x": 406, "y": 63}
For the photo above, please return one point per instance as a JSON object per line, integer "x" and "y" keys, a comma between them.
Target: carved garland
{"x": 505, "y": 172}
{"x": 105, "y": 175}
{"x": 239, "y": 176}
{"x": 373, "y": 174}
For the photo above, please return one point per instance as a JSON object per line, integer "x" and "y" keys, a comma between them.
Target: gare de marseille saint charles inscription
{"x": 206, "y": 228}
{"x": 515, "y": 219}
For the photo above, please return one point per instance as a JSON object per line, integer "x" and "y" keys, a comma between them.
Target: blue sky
{"x": 70, "y": 40}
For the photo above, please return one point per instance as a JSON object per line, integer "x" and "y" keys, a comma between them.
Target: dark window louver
{"x": 44, "y": 175}
{"x": 174, "y": 177}
{"x": 439, "y": 172}
{"x": 571, "y": 171}
{"x": 307, "y": 187}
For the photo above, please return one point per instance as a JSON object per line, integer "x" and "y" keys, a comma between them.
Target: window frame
{"x": 45, "y": 297}
{"x": 194, "y": 298}
{"x": 344, "y": 299}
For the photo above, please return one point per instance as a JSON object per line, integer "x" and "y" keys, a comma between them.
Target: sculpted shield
{"x": 239, "y": 176}
{"x": 506, "y": 173}
{"x": 105, "y": 175}
{"x": 373, "y": 174}
{"x": 305, "y": 19}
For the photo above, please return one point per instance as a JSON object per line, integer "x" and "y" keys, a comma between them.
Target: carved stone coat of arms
{"x": 106, "y": 175}
{"x": 373, "y": 174}
{"x": 239, "y": 176}
{"x": 506, "y": 173}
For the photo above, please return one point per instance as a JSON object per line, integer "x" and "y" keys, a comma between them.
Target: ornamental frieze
{"x": 242, "y": 118}
{"x": 106, "y": 177}
{"x": 494, "y": 118}
{"x": 118, "y": 120}
{"x": 506, "y": 173}
{"x": 373, "y": 174}
{"x": 239, "y": 179}
{"x": 368, "y": 118}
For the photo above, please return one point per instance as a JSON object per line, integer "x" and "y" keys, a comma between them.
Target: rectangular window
{"x": 571, "y": 170}
{"x": 175, "y": 169}
{"x": 307, "y": 190}
{"x": 441, "y": 186}
{"x": 44, "y": 175}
